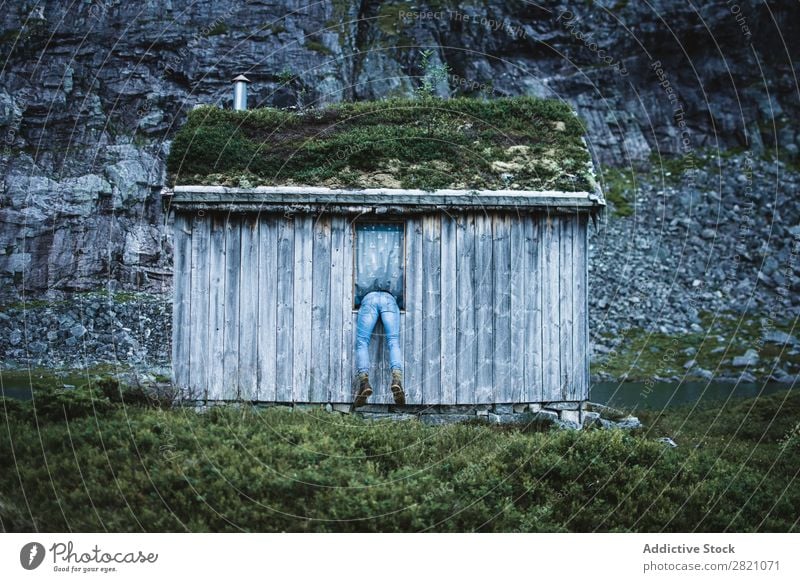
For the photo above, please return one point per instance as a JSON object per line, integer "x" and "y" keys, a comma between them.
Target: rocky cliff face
{"x": 92, "y": 92}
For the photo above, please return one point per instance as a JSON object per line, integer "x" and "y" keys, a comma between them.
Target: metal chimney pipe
{"x": 240, "y": 93}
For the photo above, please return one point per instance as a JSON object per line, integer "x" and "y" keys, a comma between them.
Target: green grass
{"x": 425, "y": 143}
{"x": 218, "y": 29}
{"x": 42, "y": 378}
{"x": 318, "y": 47}
{"x": 144, "y": 468}
{"x": 619, "y": 189}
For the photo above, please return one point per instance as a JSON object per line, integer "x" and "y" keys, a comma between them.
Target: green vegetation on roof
{"x": 521, "y": 143}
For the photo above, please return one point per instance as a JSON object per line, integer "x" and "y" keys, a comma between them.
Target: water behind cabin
{"x": 660, "y": 395}
{"x": 625, "y": 395}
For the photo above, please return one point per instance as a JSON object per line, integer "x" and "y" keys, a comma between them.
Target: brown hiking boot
{"x": 397, "y": 387}
{"x": 364, "y": 390}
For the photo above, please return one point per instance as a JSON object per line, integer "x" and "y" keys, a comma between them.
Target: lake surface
{"x": 659, "y": 395}
{"x": 625, "y": 395}
{"x": 18, "y": 392}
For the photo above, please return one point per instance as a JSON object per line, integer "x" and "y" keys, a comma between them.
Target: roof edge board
{"x": 388, "y": 192}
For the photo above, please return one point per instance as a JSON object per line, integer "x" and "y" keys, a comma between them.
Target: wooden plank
{"x": 230, "y": 359}
{"x": 484, "y": 282}
{"x": 249, "y": 294}
{"x": 472, "y": 199}
{"x": 580, "y": 387}
{"x": 303, "y": 246}
{"x": 320, "y": 310}
{"x": 587, "y": 358}
{"x": 551, "y": 322}
{"x": 181, "y": 302}
{"x": 267, "y": 307}
{"x": 285, "y": 311}
{"x": 201, "y": 226}
{"x": 431, "y": 308}
{"x": 336, "y": 348}
{"x": 565, "y": 294}
{"x": 501, "y": 320}
{"x": 216, "y": 313}
{"x": 413, "y": 326}
{"x": 448, "y": 304}
{"x": 347, "y": 385}
{"x": 534, "y": 278}
{"x": 517, "y": 309}
{"x": 466, "y": 341}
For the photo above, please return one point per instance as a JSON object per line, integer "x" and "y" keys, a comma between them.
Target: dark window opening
{"x": 380, "y": 260}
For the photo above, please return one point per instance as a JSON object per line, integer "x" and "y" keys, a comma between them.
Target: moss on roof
{"x": 520, "y": 143}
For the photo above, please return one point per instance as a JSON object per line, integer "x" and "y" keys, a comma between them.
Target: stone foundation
{"x": 565, "y": 415}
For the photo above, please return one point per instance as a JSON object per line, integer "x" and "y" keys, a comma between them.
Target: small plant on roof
{"x": 432, "y": 75}
{"x": 286, "y": 77}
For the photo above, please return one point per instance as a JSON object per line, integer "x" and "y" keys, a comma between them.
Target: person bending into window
{"x": 374, "y": 305}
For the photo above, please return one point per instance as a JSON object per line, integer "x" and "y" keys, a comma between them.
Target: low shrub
{"x": 134, "y": 468}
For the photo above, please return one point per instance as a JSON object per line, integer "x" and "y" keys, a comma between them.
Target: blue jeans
{"x": 378, "y": 304}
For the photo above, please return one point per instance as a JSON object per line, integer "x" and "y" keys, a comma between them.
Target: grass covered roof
{"x": 520, "y": 143}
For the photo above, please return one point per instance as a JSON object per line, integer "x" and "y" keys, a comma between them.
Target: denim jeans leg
{"x": 365, "y": 323}
{"x": 390, "y": 315}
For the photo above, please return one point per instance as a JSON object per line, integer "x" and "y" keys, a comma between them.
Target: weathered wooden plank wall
{"x": 216, "y": 309}
{"x": 248, "y": 309}
{"x": 181, "y": 306}
{"x": 495, "y": 308}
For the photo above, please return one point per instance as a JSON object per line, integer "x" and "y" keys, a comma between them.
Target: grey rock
{"x": 563, "y": 405}
{"x": 780, "y": 337}
{"x": 448, "y": 409}
{"x": 544, "y": 416}
{"x": 668, "y": 442}
{"x": 572, "y": 416}
{"x": 37, "y": 347}
{"x": 78, "y": 331}
{"x": 606, "y": 412}
{"x": 386, "y": 416}
{"x": 789, "y": 379}
{"x": 750, "y": 358}
{"x": 503, "y": 408}
{"x": 629, "y": 423}
{"x": 381, "y": 408}
{"x": 747, "y": 377}
{"x": 566, "y": 425}
{"x": 703, "y": 373}
{"x": 439, "y": 419}
{"x": 591, "y": 419}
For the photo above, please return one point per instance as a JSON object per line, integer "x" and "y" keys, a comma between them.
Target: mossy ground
{"x": 120, "y": 467}
{"x": 428, "y": 143}
{"x": 620, "y": 184}
{"x": 645, "y": 355}
{"x": 619, "y": 188}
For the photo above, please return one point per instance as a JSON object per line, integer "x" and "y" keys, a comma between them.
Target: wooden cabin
{"x": 485, "y": 228}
